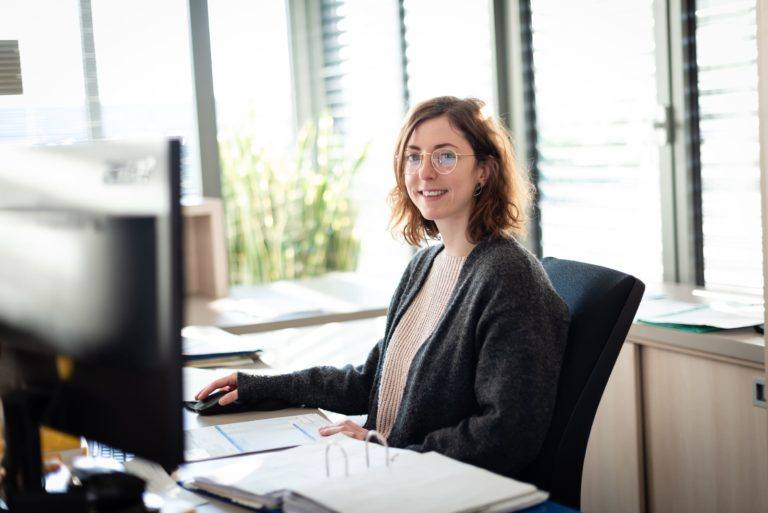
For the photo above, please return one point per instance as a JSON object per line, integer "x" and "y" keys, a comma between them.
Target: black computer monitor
{"x": 91, "y": 297}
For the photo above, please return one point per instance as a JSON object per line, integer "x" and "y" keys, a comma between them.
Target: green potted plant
{"x": 289, "y": 216}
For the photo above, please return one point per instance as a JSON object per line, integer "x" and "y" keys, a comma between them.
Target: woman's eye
{"x": 413, "y": 158}
{"x": 446, "y": 159}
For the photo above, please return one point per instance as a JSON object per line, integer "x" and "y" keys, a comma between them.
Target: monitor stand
{"x": 24, "y": 486}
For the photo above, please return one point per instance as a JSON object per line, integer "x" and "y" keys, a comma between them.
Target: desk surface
{"x": 342, "y": 297}
{"x": 192, "y": 420}
{"x": 284, "y": 350}
{"x": 349, "y": 342}
{"x": 216, "y": 506}
{"x": 222, "y": 507}
{"x": 334, "y": 297}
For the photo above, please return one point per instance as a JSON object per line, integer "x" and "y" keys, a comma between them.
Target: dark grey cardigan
{"x": 482, "y": 386}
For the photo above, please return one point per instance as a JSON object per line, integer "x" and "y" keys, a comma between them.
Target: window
{"x": 449, "y": 49}
{"x": 595, "y": 102}
{"x": 143, "y": 82}
{"x": 280, "y": 63}
{"x": 726, "y": 52}
{"x": 144, "y": 74}
{"x": 608, "y": 195}
{"x": 48, "y": 32}
{"x": 251, "y": 69}
{"x": 369, "y": 96}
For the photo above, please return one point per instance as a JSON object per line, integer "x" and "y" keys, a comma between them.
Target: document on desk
{"x": 160, "y": 483}
{"x": 201, "y": 343}
{"x": 716, "y": 315}
{"x": 252, "y": 436}
{"x": 343, "y": 475}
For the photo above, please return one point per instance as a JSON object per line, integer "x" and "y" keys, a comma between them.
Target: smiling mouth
{"x": 433, "y": 193}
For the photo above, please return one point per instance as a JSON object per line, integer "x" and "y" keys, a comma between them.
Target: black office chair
{"x": 602, "y": 304}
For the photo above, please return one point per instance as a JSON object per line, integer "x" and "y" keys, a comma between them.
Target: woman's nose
{"x": 427, "y": 171}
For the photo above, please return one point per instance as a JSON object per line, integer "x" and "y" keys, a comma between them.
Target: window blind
{"x": 362, "y": 79}
{"x": 730, "y": 169}
{"x": 449, "y": 49}
{"x": 598, "y": 155}
{"x": 10, "y": 68}
{"x": 335, "y": 61}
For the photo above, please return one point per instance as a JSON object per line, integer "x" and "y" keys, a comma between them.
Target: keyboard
{"x": 99, "y": 450}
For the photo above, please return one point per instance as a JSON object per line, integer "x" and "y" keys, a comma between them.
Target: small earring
{"x": 478, "y": 190}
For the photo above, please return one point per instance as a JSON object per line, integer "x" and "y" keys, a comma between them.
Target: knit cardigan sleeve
{"x": 344, "y": 390}
{"x": 520, "y": 340}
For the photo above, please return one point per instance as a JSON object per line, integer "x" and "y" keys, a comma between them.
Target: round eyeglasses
{"x": 443, "y": 160}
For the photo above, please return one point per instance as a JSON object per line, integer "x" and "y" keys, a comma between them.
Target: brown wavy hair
{"x": 500, "y": 209}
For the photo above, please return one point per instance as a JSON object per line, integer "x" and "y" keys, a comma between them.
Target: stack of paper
{"x": 303, "y": 480}
{"x": 211, "y": 346}
{"x": 697, "y": 316}
{"x": 158, "y": 482}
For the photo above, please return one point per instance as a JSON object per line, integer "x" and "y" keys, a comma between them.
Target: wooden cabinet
{"x": 705, "y": 441}
{"x": 205, "y": 249}
{"x": 613, "y": 479}
{"x": 676, "y": 431}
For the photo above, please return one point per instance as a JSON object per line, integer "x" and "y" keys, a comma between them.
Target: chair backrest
{"x": 602, "y": 304}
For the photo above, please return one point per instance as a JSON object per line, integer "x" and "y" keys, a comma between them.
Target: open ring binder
{"x": 292, "y": 481}
{"x": 327, "y": 461}
{"x": 381, "y": 439}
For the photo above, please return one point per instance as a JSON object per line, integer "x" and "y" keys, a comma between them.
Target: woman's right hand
{"x": 226, "y": 384}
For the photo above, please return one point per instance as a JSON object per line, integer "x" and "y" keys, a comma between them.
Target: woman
{"x": 475, "y": 333}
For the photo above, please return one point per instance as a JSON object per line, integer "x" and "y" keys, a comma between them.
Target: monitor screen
{"x": 91, "y": 289}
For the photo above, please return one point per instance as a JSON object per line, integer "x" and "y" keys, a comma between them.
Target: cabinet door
{"x": 705, "y": 441}
{"x": 613, "y": 478}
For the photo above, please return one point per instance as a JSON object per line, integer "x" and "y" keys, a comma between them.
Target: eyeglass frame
{"x": 434, "y": 166}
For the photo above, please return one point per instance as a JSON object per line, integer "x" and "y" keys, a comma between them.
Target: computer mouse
{"x": 210, "y": 405}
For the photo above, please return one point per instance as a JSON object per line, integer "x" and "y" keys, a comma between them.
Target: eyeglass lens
{"x": 443, "y": 160}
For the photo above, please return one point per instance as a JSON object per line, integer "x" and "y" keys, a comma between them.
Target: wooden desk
{"x": 341, "y": 297}
{"x": 331, "y": 344}
{"x": 670, "y": 392}
{"x": 334, "y": 297}
{"x": 217, "y": 506}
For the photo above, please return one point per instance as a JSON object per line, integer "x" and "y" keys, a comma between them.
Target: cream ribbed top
{"x": 416, "y": 325}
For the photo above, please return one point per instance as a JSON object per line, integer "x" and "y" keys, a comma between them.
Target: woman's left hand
{"x": 346, "y": 427}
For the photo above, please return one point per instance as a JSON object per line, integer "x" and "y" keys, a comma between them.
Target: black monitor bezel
{"x": 143, "y": 415}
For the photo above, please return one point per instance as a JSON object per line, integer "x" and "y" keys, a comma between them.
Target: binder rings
{"x": 343, "y": 475}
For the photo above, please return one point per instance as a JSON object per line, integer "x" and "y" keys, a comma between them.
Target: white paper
{"x": 252, "y": 436}
{"x": 724, "y": 316}
{"x": 160, "y": 483}
{"x": 710, "y": 317}
{"x": 415, "y": 483}
{"x": 411, "y": 483}
{"x": 261, "y": 474}
{"x": 208, "y": 340}
{"x": 340, "y": 417}
{"x": 650, "y": 309}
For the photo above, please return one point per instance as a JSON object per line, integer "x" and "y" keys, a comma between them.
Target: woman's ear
{"x": 484, "y": 169}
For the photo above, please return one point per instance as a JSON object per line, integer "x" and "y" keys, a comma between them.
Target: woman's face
{"x": 446, "y": 199}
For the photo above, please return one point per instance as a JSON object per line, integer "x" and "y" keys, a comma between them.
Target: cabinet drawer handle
{"x": 758, "y": 393}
